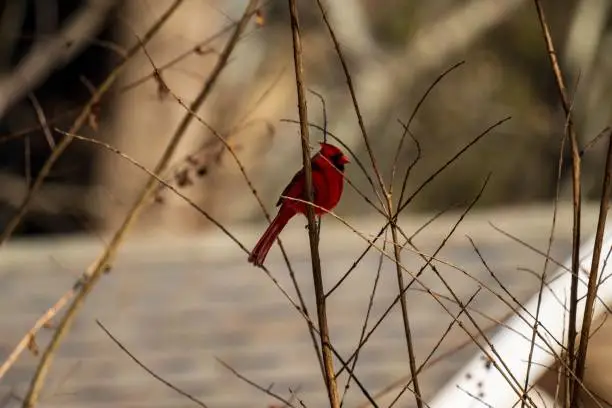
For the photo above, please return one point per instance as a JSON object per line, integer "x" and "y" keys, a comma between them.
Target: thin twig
{"x": 498, "y": 364}
{"x": 349, "y": 83}
{"x": 103, "y": 263}
{"x": 476, "y": 398}
{"x": 431, "y": 362}
{"x": 514, "y": 310}
{"x": 318, "y": 95}
{"x": 356, "y": 159}
{"x": 42, "y": 119}
{"x": 162, "y": 182}
{"x": 50, "y": 53}
{"x": 397, "y": 251}
{"x": 294, "y": 396}
{"x": 437, "y": 345}
{"x": 546, "y": 260}
{"x": 495, "y": 324}
{"x": 250, "y": 185}
{"x": 414, "y": 234}
{"x": 554, "y": 261}
{"x": 40, "y": 323}
{"x": 242, "y": 121}
{"x": 45, "y": 171}
{"x": 424, "y": 184}
{"x": 196, "y": 49}
{"x": 527, "y": 245}
{"x": 365, "y": 320}
{"x": 416, "y": 109}
{"x": 494, "y": 276}
{"x": 414, "y": 162}
{"x": 147, "y": 369}
{"x": 79, "y": 123}
{"x": 592, "y": 286}
{"x": 328, "y": 363}
{"x": 576, "y": 189}
{"x": 324, "y": 109}
{"x": 233, "y": 238}
{"x": 265, "y": 390}
{"x": 415, "y": 278}
{"x": 594, "y": 141}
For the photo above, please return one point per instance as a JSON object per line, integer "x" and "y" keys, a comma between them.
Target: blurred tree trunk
{"x": 143, "y": 119}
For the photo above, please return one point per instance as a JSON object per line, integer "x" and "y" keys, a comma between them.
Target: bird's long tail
{"x": 259, "y": 253}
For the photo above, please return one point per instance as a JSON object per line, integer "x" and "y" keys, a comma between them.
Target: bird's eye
{"x": 336, "y": 160}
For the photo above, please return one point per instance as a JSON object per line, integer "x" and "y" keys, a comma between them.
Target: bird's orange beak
{"x": 344, "y": 159}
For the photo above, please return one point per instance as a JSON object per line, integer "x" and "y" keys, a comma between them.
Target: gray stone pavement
{"x": 177, "y": 303}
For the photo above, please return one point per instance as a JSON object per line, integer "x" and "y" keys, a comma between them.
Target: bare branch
{"x": 431, "y": 47}
{"x": 252, "y": 383}
{"x": 40, "y": 323}
{"x": 313, "y": 233}
{"x": 80, "y": 121}
{"x": 52, "y": 53}
{"x": 147, "y": 369}
{"x": 102, "y": 264}
{"x": 576, "y": 186}
{"x": 592, "y": 286}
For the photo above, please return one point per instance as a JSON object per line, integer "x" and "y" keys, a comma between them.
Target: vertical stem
{"x": 389, "y": 201}
{"x": 330, "y": 379}
{"x": 402, "y": 293}
{"x": 592, "y": 287}
{"x": 576, "y": 189}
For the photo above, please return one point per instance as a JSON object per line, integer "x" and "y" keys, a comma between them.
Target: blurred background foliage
{"x": 395, "y": 50}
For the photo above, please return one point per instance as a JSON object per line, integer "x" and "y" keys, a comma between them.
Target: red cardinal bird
{"x": 327, "y": 182}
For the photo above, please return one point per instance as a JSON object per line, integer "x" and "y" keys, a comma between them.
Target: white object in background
{"x": 479, "y": 383}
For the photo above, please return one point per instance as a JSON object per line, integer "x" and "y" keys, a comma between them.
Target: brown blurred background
{"x": 395, "y": 50}
{"x": 53, "y": 53}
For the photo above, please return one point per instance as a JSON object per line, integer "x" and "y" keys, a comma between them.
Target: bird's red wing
{"x": 294, "y": 188}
